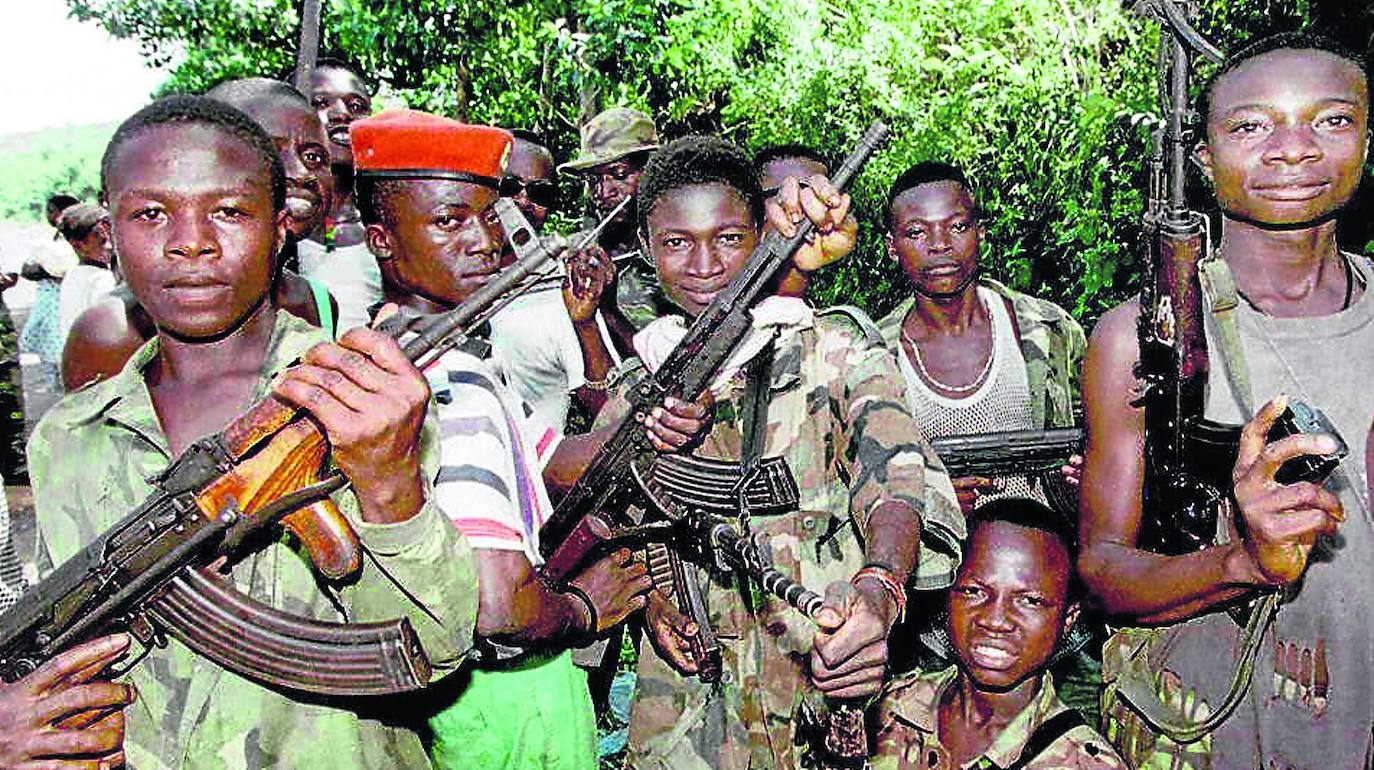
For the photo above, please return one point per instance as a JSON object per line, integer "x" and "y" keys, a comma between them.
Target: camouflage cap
{"x": 612, "y": 135}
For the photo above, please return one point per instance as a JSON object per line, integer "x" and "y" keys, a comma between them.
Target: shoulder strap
{"x": 1219, "y": 287}
{"x": 757, "y": 392}
{"x": 1046, "y": 734}
{"x": 322, "y": 306}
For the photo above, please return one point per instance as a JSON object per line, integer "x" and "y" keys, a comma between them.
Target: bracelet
{"x": 599, "y": 386}
{"x": 573, "y": 590}
{"x": 888, "y": 581}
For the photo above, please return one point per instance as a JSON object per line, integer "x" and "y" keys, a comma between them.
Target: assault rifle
{"x": 1187, "y": 458}
{"x": 150, "y": 573}
{"x": 597, "y": 508}
{"x": 1008, "y": 453}
{"x": 1180, "y": 509}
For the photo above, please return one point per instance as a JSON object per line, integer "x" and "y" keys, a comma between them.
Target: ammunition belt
{"x": 712, "y": 485}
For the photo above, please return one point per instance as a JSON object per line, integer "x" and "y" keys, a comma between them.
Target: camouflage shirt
{"x": 838, "y": 415}
{"x": 908, "y": 731}
{"x": 1052, "y": 343}
{"x": 637, "y": 293}
{"x": 91, "y": 456}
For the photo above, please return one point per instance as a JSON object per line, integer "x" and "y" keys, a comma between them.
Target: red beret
{"x": 407, "y": 144}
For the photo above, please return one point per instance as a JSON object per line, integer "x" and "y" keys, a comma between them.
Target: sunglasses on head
{"x": 540, "y": 192}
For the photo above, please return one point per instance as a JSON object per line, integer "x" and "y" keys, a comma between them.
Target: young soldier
{"x": 977, "y": 357}
{"x": 1012, "y": 601}
{"x": 105, "y": 336}
{"x": 426, "y": 186}
{"x": 536, "y": 337}
{"x": 336, "y": 254}
{"x": 868, "y": 489}
{"x": 1286, "y": 135}
{"x": 615, "y": 146}
{"x": 196, "y": 194}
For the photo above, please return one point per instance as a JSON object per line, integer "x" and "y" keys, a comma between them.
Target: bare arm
{"x": 1280, "y": 522}
{"x": 589, "y": 274}
{"x": 516, "y": 607}
{"x": 1128, "y": 581}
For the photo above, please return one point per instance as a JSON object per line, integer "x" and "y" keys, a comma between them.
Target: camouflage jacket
{"x": 91, "y": 456}
{"x": 1052, "y": 343}
{"x": 838, "y": 416}
{"x": 637, "y": 293}
{"x": 908, "y": 731}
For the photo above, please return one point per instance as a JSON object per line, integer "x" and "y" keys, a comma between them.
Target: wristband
{"x": 599, "y": 386}
{"x": 890, "y": 585}
{"x": 587, "y": 600}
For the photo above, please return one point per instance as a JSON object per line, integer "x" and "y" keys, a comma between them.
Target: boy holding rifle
{"x": 196, "y": 194}
{"x": 1286, "y": 135}
{"x": 425, "y": 187}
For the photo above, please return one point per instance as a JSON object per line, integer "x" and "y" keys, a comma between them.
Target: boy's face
{"x": 340, "y": 98}
{"x": 1287, "y": 134}
{"x": 699, "y": 236}
{"x": 193, "y": 223}
{"x": 1008, "y": 605}
{"x": 934, "y": 236}
{"x": 300, "y": 141}
{"x": 443, "y": 240}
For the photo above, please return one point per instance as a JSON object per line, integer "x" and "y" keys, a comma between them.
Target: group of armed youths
{"x": 227, "y": 212}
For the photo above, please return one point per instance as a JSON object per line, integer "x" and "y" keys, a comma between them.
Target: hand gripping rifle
{"x": 597, "y": 509}
{"x": 1187, "y": 458}
{"x": 1033, "y": 453}
{"x": 149, "y": 574}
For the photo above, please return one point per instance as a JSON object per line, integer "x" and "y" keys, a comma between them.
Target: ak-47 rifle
{"x": 1034, "y": 453}
{"x": 1188, "y": 459}
{"x": 1007, "y": 453}
{"x": 149, "y": 574}
{"x": 597, "y": 508}
{"x": 1180, "y": 508}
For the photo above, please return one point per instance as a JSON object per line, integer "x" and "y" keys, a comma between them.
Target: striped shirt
{"x": 493, "y": 451}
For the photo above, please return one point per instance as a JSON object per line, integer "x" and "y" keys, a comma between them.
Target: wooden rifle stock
{"x": 267, "y": 467}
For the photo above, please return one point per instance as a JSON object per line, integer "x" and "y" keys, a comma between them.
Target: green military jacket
{"x": 1052, "y": 343}
{"x": 908, "y": 731}
{"x": 91, "y": 456}
{"x": 838, "y": 415}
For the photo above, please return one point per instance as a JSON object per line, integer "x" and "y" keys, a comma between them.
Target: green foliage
{"x": 1039, "y": 100}
{"x": 38, "y": 164}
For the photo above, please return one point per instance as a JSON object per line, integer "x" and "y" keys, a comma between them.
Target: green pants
{"x": 536, "y": 715}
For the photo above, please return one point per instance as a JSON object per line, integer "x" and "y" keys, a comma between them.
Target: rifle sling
{"x": 1045, "y": 735}
{"x": 757, "y": 390}
{"x": 1219, "y": 287}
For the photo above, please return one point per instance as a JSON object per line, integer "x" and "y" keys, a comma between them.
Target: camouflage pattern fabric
{"x": 90, "y": 458}
{"x": 908, "y": 731}
{"x": 12, "y": 467}
{"x": 838, "y": 415}
{"x": 637, "y": 293}
{"x": 1052, "y": 343}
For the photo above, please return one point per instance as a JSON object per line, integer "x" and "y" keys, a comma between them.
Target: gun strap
{"x": 1219, "y": 286}
{"x": 754, "y": 425}
{"x": 1045, "y": 735}
{"x": 1138, "y": 684}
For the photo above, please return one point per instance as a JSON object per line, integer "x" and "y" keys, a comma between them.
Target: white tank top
{"x": 1001, "y": 403}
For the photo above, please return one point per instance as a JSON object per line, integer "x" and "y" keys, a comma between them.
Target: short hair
{"x": 779, "y": 151}
{"x": 1269, "y": 44}
{"x": 928, "y": 172}
{"x": 244, "y": 91}
{"x": 60, "y": 201}
{"x": 373, "y": 199}
{"x": 78, "y": 220}
{"x": 697, "y": 160}
{"x": 529, "y": 136}
{"x": 339, "y": 63}
{"x": 1031, "y": 514}
{"x": 200, "y": 110}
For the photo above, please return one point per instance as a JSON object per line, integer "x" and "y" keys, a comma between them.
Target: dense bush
{"x": 1040, "y": 100}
